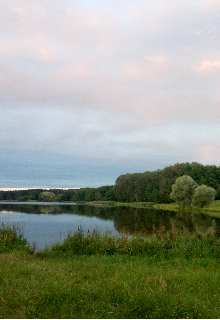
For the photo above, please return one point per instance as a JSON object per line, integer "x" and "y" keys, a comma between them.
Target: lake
{"x": 47, "y": 223}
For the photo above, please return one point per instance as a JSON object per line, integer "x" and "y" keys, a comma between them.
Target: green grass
{"x": 107, "y": 287}
{"x": 213, "y": 209}
{"x": 80, "y": 278}
{"x": 161, "y": 246}
{"x": 128, "y": 204}
{"x": 11, "y": 240}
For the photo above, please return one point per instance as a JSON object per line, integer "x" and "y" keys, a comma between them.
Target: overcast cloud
{"x": 93, "y": 89}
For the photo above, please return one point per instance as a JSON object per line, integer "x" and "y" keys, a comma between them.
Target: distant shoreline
{"x": 16, "y": 189}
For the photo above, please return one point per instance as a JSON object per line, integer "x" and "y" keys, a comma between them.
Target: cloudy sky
{"x": 91, "y": 89}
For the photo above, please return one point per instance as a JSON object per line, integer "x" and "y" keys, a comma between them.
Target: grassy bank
{"x": 128, "y": 204}
{"x": 93, "y": 276}
{"x": 213, "y": 209}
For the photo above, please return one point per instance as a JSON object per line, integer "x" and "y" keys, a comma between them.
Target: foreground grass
{"x": 107, "y": 287}
{"x": 171, "y": 278}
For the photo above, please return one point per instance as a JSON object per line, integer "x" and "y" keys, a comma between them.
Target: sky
{"x": 92, "y": 89}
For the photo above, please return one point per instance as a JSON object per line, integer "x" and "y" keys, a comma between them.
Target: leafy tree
{"x": 47, "y": 196}
{"x": 89, "y": 194}
{"x": 151, "y": 193}
{"x": 183, "y": 190}
{"x": 100, "y": 193}
{"x": 79, "y": 195}
{"x": 60, "y": 197}
{"x": 148, "y": 186}
{"x": 23, "y": 198}
{"x": 208, "y": 175}
{"x": 98, "y": 196}
{"x": 203, "y": 196}
{"x": 110, "y": 194}
{"x": 124, "y": 188}
{"x": 34, "y": 194}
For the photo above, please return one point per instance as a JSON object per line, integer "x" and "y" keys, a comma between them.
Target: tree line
{"x": 156, "y": 186}
{"x": 105, "y": 193}
{"x": 150, "y": 186}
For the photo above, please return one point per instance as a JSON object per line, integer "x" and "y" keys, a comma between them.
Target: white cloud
{"x": 106, "y": 80}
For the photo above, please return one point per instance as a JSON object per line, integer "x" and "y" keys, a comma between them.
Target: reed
{"x": 12, "y": 240}
{"x": 161, "y": 246}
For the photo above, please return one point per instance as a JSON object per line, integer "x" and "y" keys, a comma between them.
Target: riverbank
{"x": 170, "y": 278}
{"x": 127, "y": 204}
{"x": 213, "y": 209}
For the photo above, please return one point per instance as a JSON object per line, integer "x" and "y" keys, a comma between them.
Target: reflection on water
{"x": 148, "y": 221}
{"x": 196, "y": 224}
{"x": 47, "y": 223}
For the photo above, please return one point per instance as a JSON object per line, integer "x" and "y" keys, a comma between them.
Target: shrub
{"x": 203, "y": 196}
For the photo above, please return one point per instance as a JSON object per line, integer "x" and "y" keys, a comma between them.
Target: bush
{"x": 203, "y": 196}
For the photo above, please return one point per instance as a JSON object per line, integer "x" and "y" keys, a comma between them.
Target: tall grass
{"x": 103, "y": 276}
{"x": 12, "y": 240}
{"x": 159, "y": 247}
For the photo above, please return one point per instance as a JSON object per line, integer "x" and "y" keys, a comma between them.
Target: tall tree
{"x": 183, "y": 190}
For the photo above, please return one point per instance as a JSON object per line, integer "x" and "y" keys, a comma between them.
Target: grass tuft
{"x": 11, "y": 240}
{"x": 159, "y": 247}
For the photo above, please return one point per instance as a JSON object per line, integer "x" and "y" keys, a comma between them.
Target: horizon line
{"x": 41, "y": 188}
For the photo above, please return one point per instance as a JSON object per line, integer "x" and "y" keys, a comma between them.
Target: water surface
{"x": 47, "y": 223}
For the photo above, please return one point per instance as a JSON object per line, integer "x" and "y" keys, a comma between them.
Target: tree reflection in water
{"x": 130, "y": 220}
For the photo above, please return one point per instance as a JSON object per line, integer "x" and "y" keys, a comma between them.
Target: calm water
{"x": 45, "y": 224}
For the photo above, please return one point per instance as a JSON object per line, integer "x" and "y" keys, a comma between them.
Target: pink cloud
{"x": 149, "y": 67}
{"x": 207, "y": 153}
{"x": 207, "y": 66}
{"x": 41, "y": 46}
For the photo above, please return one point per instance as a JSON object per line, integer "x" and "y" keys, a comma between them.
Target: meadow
{"x": 94, "y": 276}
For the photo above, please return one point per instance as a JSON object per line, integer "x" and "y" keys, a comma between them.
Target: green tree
{"x": 98, "y": 196}
{"x": 47, "y": 196}
{"x": 203, "y": 196}
{"x": 34, "y": 194}
{"x": 183, "y": 190}
{"x": 79, "y": 195}
{"x": 208, "y": 175}
{"x": 89, "y": 194}
{"x": 110, "y": 194}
